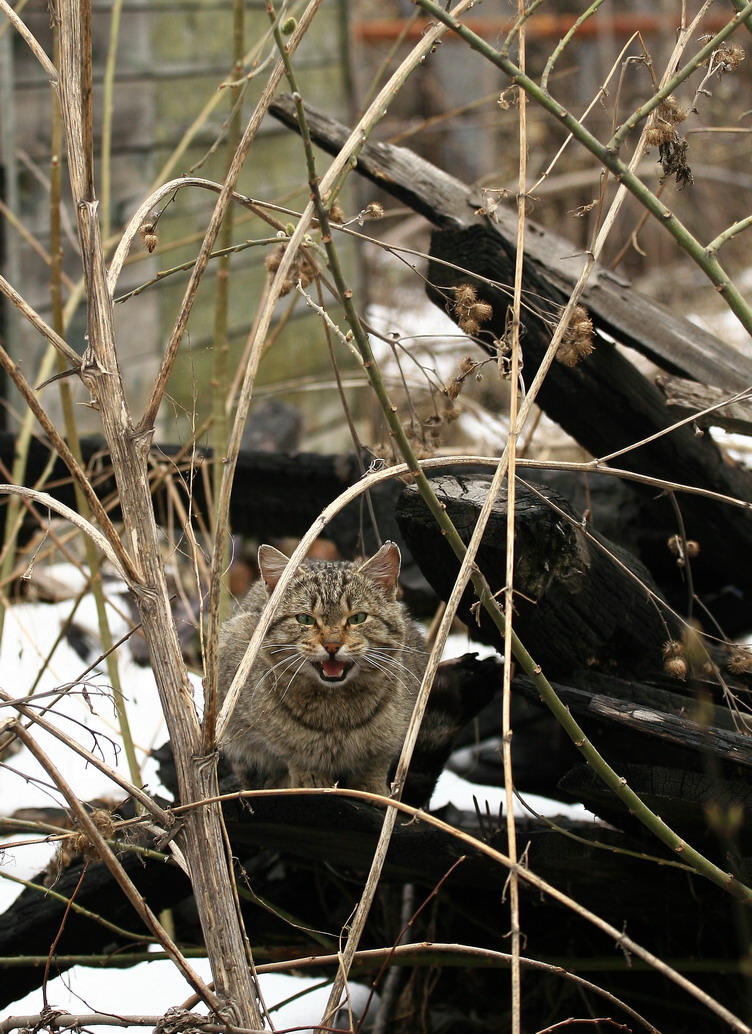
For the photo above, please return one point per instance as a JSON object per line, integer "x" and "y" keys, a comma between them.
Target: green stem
{"x": 221, "y": 343}
{"x": 740, "y": 5}
{"x": 565, "y": 40}
{"x": 518, "y": 25}
{"x": 69, "y": 902}
{"x": 728, "y": 233}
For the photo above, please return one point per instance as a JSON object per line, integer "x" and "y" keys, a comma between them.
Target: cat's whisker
{"x": 292, "y": 677}
{"x": 285, "y": 664}
{"x": 393, "y": 662}
{"x": 391, "y": 674}
{"x": 401, "y": 649}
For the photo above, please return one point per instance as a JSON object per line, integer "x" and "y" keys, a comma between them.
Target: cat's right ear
{"x": 271, "y": 565}
{"x": 384, "y": 567}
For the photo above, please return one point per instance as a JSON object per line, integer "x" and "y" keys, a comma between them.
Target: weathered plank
{"x": 687, "y": 398}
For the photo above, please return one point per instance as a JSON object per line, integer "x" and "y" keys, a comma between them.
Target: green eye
{"x": 304, "y": 619}
{"x": 357, "y": 619}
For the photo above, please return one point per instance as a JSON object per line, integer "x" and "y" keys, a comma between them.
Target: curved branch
{"x": 146, "y": 207}
{"x": 44, "y": 499}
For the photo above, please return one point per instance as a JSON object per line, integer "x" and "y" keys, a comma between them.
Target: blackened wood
{"x": 605, "y": 403}
{"x": 574, "y": 606}
{"x": 309, "y": 856}
{"x": 608, "y": 405}
{"x": 650, "y": 721}
{"x": 696, "y": 806}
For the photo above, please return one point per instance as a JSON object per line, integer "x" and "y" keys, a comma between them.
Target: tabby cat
{"x": 331, "y": 693}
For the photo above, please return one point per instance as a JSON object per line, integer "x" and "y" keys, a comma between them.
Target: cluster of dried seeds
{"x": 303, "y": 270}
{"x": 468, "y": 310}
{"x": 577, "y": 342}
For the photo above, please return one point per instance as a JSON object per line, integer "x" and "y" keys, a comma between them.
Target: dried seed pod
{"x": 469, "y": 311}
{"x": 740, "y": 660}
{"x": 337, "y": 213}
{"x": 465, "y": 294}
{"x": 673, "y": 648}
{"x": 670, "y": 112}
{"x": 728, "y": 57}
{"x": 80, "y": 842}
{"x": 676, "y": 668}
{"x": 148, "y": 234}
{"x": 303, "y": 269}
{"x": 659, "y": 133}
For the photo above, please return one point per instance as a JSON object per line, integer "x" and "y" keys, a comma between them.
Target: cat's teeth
{"x": 332, "y": 668}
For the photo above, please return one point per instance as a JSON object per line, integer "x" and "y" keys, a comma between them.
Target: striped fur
{"x": 331, "y": 693}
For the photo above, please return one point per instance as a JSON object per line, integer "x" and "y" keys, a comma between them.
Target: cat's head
{"x": 341, "y": 618}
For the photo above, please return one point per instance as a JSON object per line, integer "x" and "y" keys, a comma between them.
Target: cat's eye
{"x": 357, "y": 619}
{"x": 305, "y": 619}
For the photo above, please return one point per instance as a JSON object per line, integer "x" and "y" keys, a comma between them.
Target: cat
{"x": 330, "y": 695}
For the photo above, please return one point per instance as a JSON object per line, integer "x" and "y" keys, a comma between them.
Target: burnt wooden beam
{"x": 672, "y": 342}
{"x": 608, "y": 406}
{"x": 575, "y": 606}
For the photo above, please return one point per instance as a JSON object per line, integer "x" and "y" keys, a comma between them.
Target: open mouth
{"x": 333, "y": 669}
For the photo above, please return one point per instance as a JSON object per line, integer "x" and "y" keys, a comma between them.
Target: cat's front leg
{"x": 373, "y": 779}
{"x": 304, "y": 779}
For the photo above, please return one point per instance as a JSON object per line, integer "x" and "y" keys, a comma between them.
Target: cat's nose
{"x": 332, "y": 647}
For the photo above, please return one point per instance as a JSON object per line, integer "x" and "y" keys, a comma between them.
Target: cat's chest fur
{"x": 332, "y": 690}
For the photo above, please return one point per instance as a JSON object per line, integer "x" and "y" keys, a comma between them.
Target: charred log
{"x": 580, "y": 601}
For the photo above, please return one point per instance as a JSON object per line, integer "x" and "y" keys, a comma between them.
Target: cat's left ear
{"x": 271, "y": 565}
{"x": 384, "y": 567}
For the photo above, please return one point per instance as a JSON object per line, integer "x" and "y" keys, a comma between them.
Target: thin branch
{"x": 160, "y": 814}
{"x": 150, "y": 413}
{"x": 107, "y": 855}
{"x": 39, "y": 324}
{"x": 409, "y": 955}
{"x": 31, "y": 41}
{"x": 43, "y": 499}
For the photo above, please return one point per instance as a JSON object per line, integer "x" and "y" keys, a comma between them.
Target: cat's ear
{"x": 384, "y": 567}
{"x": 271, "y": 565}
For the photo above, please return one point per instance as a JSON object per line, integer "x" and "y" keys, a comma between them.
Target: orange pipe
{"x": 540, "y": 26}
